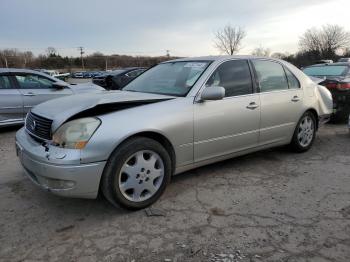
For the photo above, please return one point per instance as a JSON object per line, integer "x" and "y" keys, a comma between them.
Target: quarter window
{"x": 270, "y": 75}
{"x": 234, "y": 76}
{"x": 30, "y": 81}
{"x": 292, "y": 80}
{"x": 5, "y": 82}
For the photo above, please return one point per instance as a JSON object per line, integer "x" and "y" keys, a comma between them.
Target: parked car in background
{"x": 21, "y": 89}
{"x": 176, "y": 116}
{"x": 324, "y": 61}
{"x": 344, "y": 59}
{"x": 117, "y": 79}
{"x": 54, "y": 73}
{"x": 87, "y": 74}
{"x": 336, "y": 77}
{"x": 96, "y": 73}
{"x": 78, "y": 75}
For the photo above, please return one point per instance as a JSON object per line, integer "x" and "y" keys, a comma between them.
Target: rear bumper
{"x": 58, "y": 170}
{"x": 324, "y": 119}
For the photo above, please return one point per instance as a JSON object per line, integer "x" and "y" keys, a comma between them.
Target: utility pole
{"x": 106, "y": 63}
{"x": 81, "y": 49}
{"x": 167, "y": 53}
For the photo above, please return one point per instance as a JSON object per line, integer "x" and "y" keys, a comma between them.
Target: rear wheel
{"x": 137, "y": 173}
{"x": 305, "y": 133}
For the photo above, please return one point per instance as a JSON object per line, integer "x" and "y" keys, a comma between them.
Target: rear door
{"x": 36, "y": 89}
{"x": 11, "y": 103}
{"x": 281, "y": 101}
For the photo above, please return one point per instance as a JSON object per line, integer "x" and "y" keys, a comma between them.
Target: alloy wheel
{"x": 306, "y": 131}
{"x": 141, "y": 175}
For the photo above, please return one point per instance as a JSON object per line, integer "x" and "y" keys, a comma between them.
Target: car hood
{"x": 62, "y": 109}
{"x": 84, "y": 88}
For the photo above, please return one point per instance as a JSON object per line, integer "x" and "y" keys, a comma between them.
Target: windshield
{"x": 173, "y": 78}
{"x": 325, "y": 70}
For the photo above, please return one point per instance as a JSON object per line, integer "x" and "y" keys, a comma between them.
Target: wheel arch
{"x": 314, "y": 112}
{"x": 160, "y": 138}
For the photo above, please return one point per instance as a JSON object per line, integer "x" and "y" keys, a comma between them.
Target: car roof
{"x": 29, "y": 71}
{"x": 18, "y": 70}
{"x": 219, "y": 58}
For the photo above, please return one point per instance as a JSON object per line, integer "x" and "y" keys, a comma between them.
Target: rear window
{"x": 326, "y": 70}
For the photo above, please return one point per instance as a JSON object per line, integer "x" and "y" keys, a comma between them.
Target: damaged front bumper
{"x": 58, "y": 170}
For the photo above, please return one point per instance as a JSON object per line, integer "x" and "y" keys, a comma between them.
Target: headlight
{"x": 76, "y": 134}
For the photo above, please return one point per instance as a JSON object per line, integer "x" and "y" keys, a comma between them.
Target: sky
{"x": 150, "y": 27}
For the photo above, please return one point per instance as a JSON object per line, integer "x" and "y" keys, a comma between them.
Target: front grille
{"x": 38, "y": 126}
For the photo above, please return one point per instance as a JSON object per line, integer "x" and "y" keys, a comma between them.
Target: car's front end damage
{"x": 58, "y": 170}
{"x": 53, "y": 144}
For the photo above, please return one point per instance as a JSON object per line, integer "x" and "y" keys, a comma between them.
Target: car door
{"x": 281, "y": 99}
{"x": 36, "y": 89}
{"x": 232, "y": 124}
{"x": 11, "y": 103}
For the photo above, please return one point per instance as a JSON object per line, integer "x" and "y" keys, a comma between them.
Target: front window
{"x": 326, "y": 70}
{"x": 29, "y": 81}
{"x": 234, "y": 76}
{"x": 172, "y": 78}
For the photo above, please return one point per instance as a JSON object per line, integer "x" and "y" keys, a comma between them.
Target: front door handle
{"x": 252, "y": 105}
{"x": 295, "y": 99}
{"x": 29, "y": 94}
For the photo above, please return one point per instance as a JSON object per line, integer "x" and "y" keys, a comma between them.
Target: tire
{"x": 136, "y": 173}
{"x": 304, "y": 133}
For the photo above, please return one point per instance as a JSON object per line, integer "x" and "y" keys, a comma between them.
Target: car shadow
{"x": 7, "y": 129}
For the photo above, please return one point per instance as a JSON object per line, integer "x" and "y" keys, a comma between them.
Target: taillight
{"x": 343, "y": 86}
{"x": 331, "y": 85}
{"x": 338, "y": 85}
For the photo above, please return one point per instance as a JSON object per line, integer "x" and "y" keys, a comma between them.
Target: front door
{"x": 230, "y": 125}
{"x": 37, "y": 89}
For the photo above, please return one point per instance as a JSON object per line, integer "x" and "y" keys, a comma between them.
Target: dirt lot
{"x": 268, "y": 206}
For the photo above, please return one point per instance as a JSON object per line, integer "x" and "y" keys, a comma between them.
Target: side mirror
{"x": 59, "y": 85}
{"x": 213, "y": 93}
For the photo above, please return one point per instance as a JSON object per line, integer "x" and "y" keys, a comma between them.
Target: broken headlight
{"x": 76, "y": 134}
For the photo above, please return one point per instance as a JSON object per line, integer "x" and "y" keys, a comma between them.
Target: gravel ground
{"x": 268, "y": 206}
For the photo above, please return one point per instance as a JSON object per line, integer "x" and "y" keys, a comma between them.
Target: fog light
{"x": 56, "y": 184}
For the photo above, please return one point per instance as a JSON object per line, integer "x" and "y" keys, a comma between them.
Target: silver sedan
{"x": 177, "y": 116}
{"x": 21, "y": 89}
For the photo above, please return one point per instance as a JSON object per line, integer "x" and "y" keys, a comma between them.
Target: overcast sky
{"x": 149, "y": 27}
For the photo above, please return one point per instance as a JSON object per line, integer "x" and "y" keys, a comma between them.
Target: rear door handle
{"x": 252, "y": 105}
{"x": 295, "y": 99}
{"x": 29, "y": 94}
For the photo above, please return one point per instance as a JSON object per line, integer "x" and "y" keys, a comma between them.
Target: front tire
{"x": 137, "y": 173}
{"x": 305, "y": 133}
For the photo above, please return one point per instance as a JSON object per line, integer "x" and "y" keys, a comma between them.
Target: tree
{"x": 261, "y": 51}
{"x": 325, "y": 42}
{"x": 280, "y": 55}
{"x": 229, "y": 39}
{"x": 51, "y": 51}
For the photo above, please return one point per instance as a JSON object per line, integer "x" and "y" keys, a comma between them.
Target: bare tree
{"x": 261, "y": 51}
{"x": 229, "y": 39}
{"x": 325, "y": 42}
{"x": 280, "y": 55}
{"x": 51, "y": 51}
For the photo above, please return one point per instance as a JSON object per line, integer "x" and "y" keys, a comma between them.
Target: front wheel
{"x": 305, "y": 133}
{"x": 137, "y": 173}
